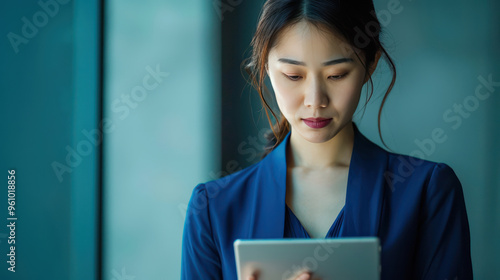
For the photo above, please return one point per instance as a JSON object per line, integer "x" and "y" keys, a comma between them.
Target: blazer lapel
{"x": 271, "y": 185}
{"x": 365, "y": 188}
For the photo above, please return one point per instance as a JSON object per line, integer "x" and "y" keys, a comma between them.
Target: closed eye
{"x": 296, "y": 78}
{"x": 293, "y": 78}
{"x": 338, "y": 77}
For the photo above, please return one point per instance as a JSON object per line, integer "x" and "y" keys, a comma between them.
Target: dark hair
{"x": 353, "y": 19}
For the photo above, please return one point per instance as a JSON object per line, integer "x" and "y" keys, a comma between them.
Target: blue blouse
{"x": 294, "y": 229}
{"x": 415, "y": 207}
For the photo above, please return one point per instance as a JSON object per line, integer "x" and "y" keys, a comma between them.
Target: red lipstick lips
{"x": 317, "y": 122}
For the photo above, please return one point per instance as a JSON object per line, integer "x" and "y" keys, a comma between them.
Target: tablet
{"x": 331, "y": 258}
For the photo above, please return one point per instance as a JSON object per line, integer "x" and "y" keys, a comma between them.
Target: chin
{"x": 318, "y": 135}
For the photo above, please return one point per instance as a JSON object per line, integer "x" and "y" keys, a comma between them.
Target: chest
{"x": 316, "y": 197}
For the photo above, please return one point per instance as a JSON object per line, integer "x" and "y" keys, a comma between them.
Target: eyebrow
{"x": 331, "y": 62}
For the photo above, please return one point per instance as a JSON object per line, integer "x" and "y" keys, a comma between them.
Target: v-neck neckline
{"x": 336, "y": 224}
{"x": 341, "y": 213}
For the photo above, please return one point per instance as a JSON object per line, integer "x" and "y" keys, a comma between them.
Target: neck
{"x": 335, "y": 152}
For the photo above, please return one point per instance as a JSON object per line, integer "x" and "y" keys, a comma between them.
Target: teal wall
{"x": 48, "y": 86}
{"x": 166, "y": 132}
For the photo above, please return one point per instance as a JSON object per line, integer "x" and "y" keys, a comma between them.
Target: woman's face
{"x": 306, "y": 86}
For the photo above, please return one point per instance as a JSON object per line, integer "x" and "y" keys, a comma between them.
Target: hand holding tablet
{"x": 301, "y": 276}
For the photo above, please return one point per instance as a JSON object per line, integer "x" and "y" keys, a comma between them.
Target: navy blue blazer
{"x": 416, "y": 207}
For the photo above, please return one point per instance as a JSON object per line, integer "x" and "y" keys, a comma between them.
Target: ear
{"x": 373, "y": 66}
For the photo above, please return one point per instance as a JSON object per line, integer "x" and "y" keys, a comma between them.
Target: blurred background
{"x": 161, "y": 82}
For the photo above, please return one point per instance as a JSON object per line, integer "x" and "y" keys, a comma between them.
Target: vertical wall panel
{"x": 48, "y": 93}
{"x": 87, "y": 134}
{"x": 162, "y": 83}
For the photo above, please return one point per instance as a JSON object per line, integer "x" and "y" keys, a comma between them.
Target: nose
{"x": 315, "y": 94}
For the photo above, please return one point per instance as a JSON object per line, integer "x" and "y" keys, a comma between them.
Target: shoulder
{"x": 218, "y": 204}
{"x": 397, "y": 168}
{"x": 229, "y": 186}
{"x": 405, "y": 169}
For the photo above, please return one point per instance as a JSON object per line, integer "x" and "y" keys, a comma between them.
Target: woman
{"x": 322, "y": 178}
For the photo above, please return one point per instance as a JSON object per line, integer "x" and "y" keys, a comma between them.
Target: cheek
{"x": 287, "y": 102}
{"x": 348, "y": 100}
{"x": 287, "y": 98}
